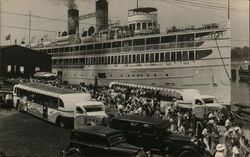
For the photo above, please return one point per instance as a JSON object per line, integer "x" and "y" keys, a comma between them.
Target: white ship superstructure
{"x": 191, "y": 57}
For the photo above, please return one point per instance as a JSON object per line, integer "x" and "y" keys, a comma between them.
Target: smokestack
{"x": 101, "y": 14}
{"x": 73, "y": 21}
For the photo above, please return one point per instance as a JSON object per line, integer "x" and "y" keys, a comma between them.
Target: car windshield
{"x": 208, "y": 100}
{"x": 116, "y": 139}
{"x": 94, "y": 108}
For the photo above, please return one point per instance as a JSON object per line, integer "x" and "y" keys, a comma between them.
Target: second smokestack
{"x": 73, "y": 21}
{"x": 101, "y": 14}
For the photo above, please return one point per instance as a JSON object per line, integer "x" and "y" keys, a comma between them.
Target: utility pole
{"x": 0, "y": 22}
{"x": 29, "y": 26}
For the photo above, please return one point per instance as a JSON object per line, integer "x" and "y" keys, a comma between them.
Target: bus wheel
{"x": 61, "y": 123}
{"x": 18, "y": 106}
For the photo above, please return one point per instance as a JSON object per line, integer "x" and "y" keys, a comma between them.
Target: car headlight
{"x": 141, "y": 153}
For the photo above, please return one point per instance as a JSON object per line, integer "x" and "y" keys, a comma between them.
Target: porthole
{"x": 147, "y": 75}
{"x": 155, "y": 75}
{"x": 166, "y": 74}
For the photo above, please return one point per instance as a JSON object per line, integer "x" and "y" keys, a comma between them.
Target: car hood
{"x": 178, "y": 137}
{"x": 127, "y": 147}
{"x": 100, "y": 114}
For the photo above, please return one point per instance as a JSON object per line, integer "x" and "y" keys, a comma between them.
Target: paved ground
{"x": 24, "y": 135}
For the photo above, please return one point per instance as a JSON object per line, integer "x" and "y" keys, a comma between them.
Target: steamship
{"x": 181, "y": 57}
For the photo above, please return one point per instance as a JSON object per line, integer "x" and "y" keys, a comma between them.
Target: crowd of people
{"x": 224, "y": 139}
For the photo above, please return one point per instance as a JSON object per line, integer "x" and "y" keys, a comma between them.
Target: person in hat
{"x": 228, "y": 141}
{"x": 206, "y": 135}
{"x": 219, "y": 150}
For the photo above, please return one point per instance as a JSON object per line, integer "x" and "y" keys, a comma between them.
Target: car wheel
{"x": 73, "y": 153}
{"x": 186, "y": 153}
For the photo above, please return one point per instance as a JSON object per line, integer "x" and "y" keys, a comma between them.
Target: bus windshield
{"x": 209, "y": 100}
{"x": 94, "y": 108}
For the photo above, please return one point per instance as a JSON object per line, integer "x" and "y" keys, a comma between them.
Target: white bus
{"x": 50, "y": 103}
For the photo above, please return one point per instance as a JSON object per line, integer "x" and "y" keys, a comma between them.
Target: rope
{"x": 222, "y": 59}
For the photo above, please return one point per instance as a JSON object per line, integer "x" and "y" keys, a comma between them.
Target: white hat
{"x": 210, "y": 121}
{"x": 231, "y": 130}
{"x": 220, "y": 147}
{"x": 210, "y": 116}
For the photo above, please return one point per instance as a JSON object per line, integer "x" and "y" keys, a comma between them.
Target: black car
{"x": 152, "y": 134}
{"x": 100, "y": 141}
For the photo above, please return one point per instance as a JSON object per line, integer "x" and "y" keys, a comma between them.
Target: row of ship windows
{"x": 103, "y": 75}
{"x": 137, "y": 58}
{"x": 134, "y": 42}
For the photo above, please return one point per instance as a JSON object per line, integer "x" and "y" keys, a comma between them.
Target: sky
{"x": 170, "y": 13}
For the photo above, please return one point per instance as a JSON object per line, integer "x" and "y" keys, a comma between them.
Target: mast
{"x": 228, "y": 10}
{"x": 137, "y": 4}
{"x": 29, "y": 25}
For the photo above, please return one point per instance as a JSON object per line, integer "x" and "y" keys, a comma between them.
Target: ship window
{"x": 126, "y": 59}
{"x": 133, "y": 75}
{"x": 92, "y": 60}
{"x": 168, "y": 39}
{"x": 110, "y": 75}
{"x": 150, "y": 25}
{"x": 75, "y": 61}
{"x": 132, "y": 27}
{"x": 83, "y": 47}
{"x": 49, "y": 50}
{"x": 122, "y": 60}
{"x": 128, "y": 75}
{"x": 90, "y": 47}
{"x": 144, "y": 25}
{"x": 147, "y": 75}
{"x": 142, "y": 58}
{"x": 76, "y": 48}
{"x": 98, "y": 46}
{"x": 127, "y": 43}
{"x": 70, "y": 49}
{"x": 179, "y": 56}
{"x": 119, "y": 59}
{"x": 101, "y": 75}
{"x": 138, "y": 26}
{"x": 147, "y": 57}
{"x": 184, "y": 55}
{"x": 82, "y": 61}
{"x": 185, "y": 37}
{"x": 129, "y": 59}
{"x": 99, "y": 60}
{"x": 139, "y": 42}
{"x": 109, "y": 60}
{"x": 203, "y": 53}
{"x": 152, "y": 57}
{"x": 106, "y": 45}
{"x": 115, "y": 60}
{"x": 56, "y": 50}
{"x": 157, "y": 57}
{"x": 167, "y": 56}
{"x": 155, "y": 40}
{"x": 103, "y": 60}
{"x": 191, "y": 55}
{"x": 138, "y": 58}
{"x": 161, "y": 57}
{"x": 173, "y": 56}
{"x": 202, "y": 34}
{"x": 112, "y": 59}
{"x": 134, "y": 59}
{"x": 61, "y": 49}
{"x": 116, "y": 44}
{"x": 155, "y": 75}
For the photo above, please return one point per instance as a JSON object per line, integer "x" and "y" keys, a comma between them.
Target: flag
{"x": 7, "y": 37}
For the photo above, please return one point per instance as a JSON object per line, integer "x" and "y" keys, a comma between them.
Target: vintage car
{"x": 100, "y": 141}
{"x": 152, "y": 134}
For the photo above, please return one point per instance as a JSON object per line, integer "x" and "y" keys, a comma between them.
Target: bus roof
{"x": 41, "y": 88}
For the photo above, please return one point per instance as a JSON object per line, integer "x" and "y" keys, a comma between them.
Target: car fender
{"x": 165, "y": 145}
{"x": 190, "y": 148}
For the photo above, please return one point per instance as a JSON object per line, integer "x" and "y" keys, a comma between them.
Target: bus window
{"x": 79, "y": 110}
{"x": 60, "y": 103}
